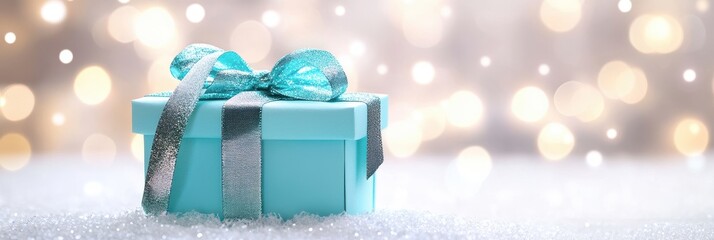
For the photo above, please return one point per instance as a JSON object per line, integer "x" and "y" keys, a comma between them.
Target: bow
{"x": 208, "y": 72}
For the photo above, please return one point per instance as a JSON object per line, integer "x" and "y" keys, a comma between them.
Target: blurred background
{"x": 552, "y": 80}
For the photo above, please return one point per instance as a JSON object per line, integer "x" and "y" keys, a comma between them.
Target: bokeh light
{"x": 357, "y": 48}
{"x": 270, "y": 18}
{"x": 155, "y": 27}
{"x": 658, "y": 34}
{"x": 10, "y": 37}
{"x": 468, "y": 171}
{"x": 195, "y": 13}
{"x": 66, "y": 56}
{"x": 485, "y": 61}
{"x": 98, "y": 148}
{"x": 432, "y": 121}
{"x": 252, "y": 40}
{"x": 689, "y": 75}
{"x": 18, "y": 102}
{"x": 159, "y": 77}
{"x": 691, "y": 137}
{"x": 555, "y": 141}
{"x": 624, "y": 6}
{"x": 530, "y": 104}
{"x": 137, "y": 147}
{"x": 593, "y": 158}
{"x": 463, "y": 109}
{"x": 446, "y": 11}
{"x": 560, "y": 15}
{"x": 423, "y": 72}
{"x": 92, "y": 85}
{"x": 611, "y": 133}
{"x": 120, "y": 24}
{"x": 422, "y": 23}
{"x": 340, "y": 10}
{"x": 382, "y": 69}
{"x": 53, "y": 11}
{"x": 702, "y": 5}
{"x": 402, "y": 139}
{"x": 576, "y": 99}
{"x": 543, "y": 69}
{"x": 618, "y": 80}
{"x": 15, "y": 151}
{"x": 58, "y": 119}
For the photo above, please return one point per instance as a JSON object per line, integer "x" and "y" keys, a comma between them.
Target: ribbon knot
{"x": 307, "y": 74}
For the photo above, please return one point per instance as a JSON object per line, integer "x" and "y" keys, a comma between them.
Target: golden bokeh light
{"x": 154, "y": 27}
{"x": 159, "y": 77}
{"x": 423, "y": 72}
{"x": 473, "y": 164}
{"x": 98, "y": 148}
{"x": 53, "y": 11}
{"x": 702, "y": 5}
{"x": 530, "y": 104}
{"x": 137, "y": 147}
{"x": 576, "y": 99}
{"x": 691, "y": 137}
{"x": 555, "y": 141}
{"x": 657, "y": 34}
{"x": 618, "y": 80}
{"x": 15, "y": 151}
{"x": 120, "y": 24}
{"x": 92, "y": 85}
{"x": 18, "y": 101}
{"x": 463, "y": 109}
{"x": 432, "y": 121}
{"x": 403, "y": 139}
{"x": 252, "y": 40}
{"x": 561, "y": 15}
{"x": 422, "y": 23}
{"x": 58, "y": 119}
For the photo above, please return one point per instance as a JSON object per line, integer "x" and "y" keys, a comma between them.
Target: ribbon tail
{"x": 241, "y": 152}
{"x": 375, "y": 154}
{"x": 169, "y": 132}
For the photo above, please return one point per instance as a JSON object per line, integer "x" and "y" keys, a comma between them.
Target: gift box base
{"x": 320, "y": 177}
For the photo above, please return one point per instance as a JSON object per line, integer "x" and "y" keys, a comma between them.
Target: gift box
{"x": 280, "y": 142}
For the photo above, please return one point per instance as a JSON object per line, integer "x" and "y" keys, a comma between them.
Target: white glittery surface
{"x": 522, "y": 198}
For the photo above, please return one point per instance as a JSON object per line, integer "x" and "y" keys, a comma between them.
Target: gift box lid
{"x": 282, "y": 120}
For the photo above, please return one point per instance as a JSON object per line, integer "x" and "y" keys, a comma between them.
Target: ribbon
{"x": 208, "y": 72}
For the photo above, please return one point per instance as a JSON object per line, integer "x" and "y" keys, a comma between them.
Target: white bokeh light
{"x": 382, "y": 69}
{"x": 689, "y": 75}
{"x": 53, "y": 11}
{"x": 544, "y": 69}
{"x": 123, "y": 1}
{"x": 593, "y": 158}
{"x": 195, "y": 13}
{"x": 66, "y": 56}
{"x": 485, "y": 61}
{"x": 611, "y": 133}
{"x": 423, "y": 72}
{"x": 270, "y": 18}
{"x": 624, "y": 6}
{"x": 357, "y": 48}
{"x": 10, "y": 37}
{"x": 446, "y": 11}
{"x": 340, "y": 10}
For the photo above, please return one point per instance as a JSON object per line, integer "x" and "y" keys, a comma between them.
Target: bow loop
{"x": 308, "y": 74}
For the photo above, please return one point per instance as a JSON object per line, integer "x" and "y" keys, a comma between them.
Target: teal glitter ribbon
{"x": 208, "y": 72}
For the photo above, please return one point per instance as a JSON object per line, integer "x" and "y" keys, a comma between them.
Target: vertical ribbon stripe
{"x": 242, "y": 154}
{"x": 375, "y": 154}
{"x": 167, "y": 140}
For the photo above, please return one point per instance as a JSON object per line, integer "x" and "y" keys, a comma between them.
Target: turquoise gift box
{"x": 314, "y": 156}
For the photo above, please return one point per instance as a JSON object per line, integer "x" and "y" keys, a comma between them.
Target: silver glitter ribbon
{"x": 208, "y": 72}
